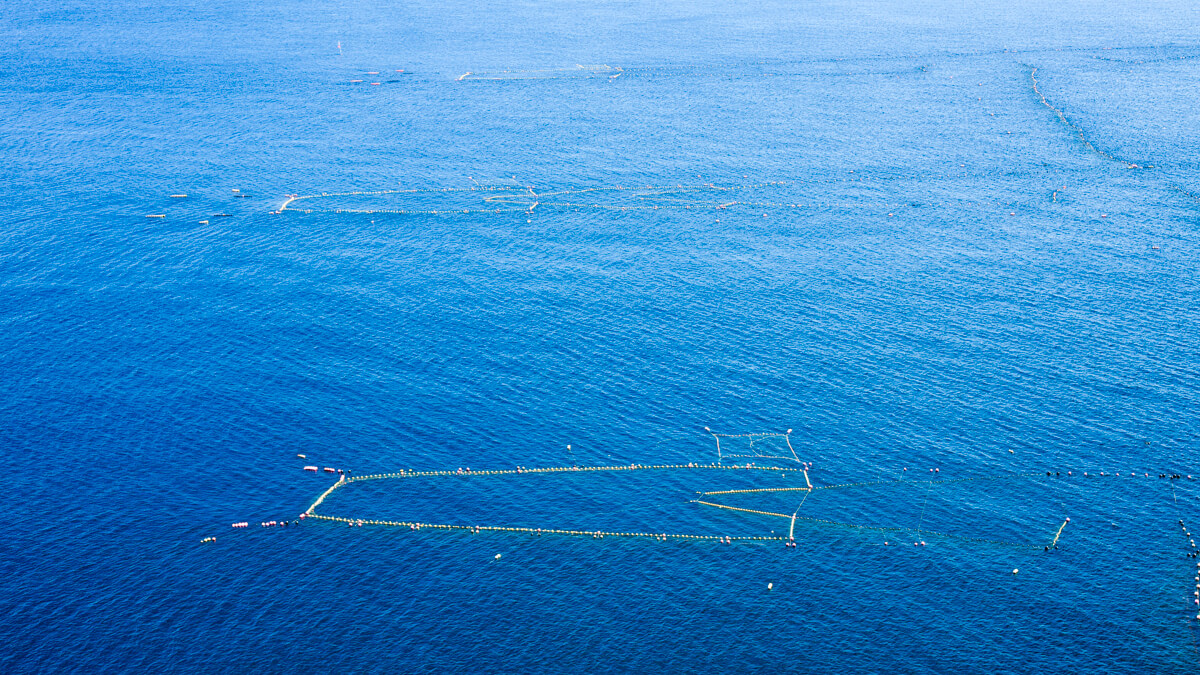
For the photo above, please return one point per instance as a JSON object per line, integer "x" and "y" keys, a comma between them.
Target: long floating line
{"x": 897, "y": 64}
{"x": 345, "y": 480}
{"x": 1073, "y": 126}
{"x": 738, "y": 492}
{"x": 539, "y": 530}
{"x": 1059, "y": 533}
{"x": 567, "y": 469}
{"x": 311, "y": 511}
{"x": 514, "y": 199}
{"x": 341, "y": 481}
{"x": 738, "y": 508}
{"x": 874, "y": 528}
{"x": 893, "y": 481}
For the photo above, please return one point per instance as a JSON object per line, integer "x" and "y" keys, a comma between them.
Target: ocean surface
{"x": 933, "y": 239}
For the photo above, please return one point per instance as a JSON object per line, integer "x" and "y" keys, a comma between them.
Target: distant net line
{"x": 1062, "y": 116}
{"x": 415, "y": 525}
{"x": 826, "y": 68}
{"x": 705, "y": 499}
{"x": 901, "y": 64}
{"x": 525, "y": 199}
{"x": 345, "y": 481}
{"x": 867, "y": 190}
{"x": 710, "y": 498}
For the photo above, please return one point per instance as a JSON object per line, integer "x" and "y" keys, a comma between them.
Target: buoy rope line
{"x": 346, "y": 479}
{"x": 497, "y": 199}
{"x": 1062, "y": 116}
{"x": 560, "y": 469}
{"x": 633, "y": 71}
{"x": 742, "y": 492}
{"x": 1131, "y": 62}
{"x": 893, "y": 481}
{"x": 596, "y": 534}
{"x": 414, "y": 525}
{"x": 1195, "y": 555}
{"x": 815, "y": 67}
{"x": 513, "y": 199}
{"x": 1054, "y": 544}
{"x": 920, "y": 531}
{"x": 1184, "y": 191}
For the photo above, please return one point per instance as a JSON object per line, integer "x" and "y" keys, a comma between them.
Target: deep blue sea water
{"x": 943, "y": 270}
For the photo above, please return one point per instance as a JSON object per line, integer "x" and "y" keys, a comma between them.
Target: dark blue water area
{"x": 930, "y": 264}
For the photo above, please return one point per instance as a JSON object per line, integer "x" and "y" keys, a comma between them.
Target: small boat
{"x": 311, "y": 468}
{"x": 178, "y": 196}
{"x": 156, "y": 215}
{"x": 221, "y": 215}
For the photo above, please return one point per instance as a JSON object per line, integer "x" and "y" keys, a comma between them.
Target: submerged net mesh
{"x": 775, "y": 447}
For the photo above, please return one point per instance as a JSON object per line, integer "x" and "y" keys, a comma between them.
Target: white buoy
{"x": 770, "y": 586}
{"x": 1014, "y": 570}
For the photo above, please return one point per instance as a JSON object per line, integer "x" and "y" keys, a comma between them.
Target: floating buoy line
{"x": 346, "y": 480}
{"x": 894, "y": 65}
{"x": 709, "y": 499}
{"x": 712, "y": 197}
{"x": 706, "y": 498}
{"x": 1062, "y": 116}
{"x": 900, "y": 64}
{"x": 494, "y": 199}
{"x": 760, "y": 447}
